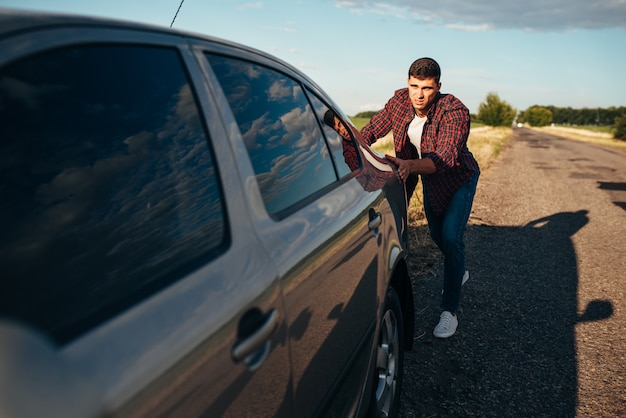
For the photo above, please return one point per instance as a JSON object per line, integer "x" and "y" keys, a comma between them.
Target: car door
{"x": 127, "y": 249}
{"x": 319, "y": 225}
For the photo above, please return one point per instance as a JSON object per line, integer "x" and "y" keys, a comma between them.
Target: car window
{"x": 340, "y": 141}
{"x": 281, "y": 133}
{"x": 109, "y": 189}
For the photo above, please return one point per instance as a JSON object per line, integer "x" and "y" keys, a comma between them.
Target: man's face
{"x": 340, "y": 129}
{"x": 423, "y": 92}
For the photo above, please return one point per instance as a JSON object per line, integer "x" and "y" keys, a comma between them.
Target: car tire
{"x": 389, "y": 360}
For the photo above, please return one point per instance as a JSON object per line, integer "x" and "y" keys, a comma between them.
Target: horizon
{"x": 547, "y": 53}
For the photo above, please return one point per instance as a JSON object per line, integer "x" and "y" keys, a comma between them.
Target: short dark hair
{"x": 329, "y": 118}
{"x": 425, "y": 68}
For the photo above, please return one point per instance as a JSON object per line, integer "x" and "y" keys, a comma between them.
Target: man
{"x": 430, "y": 139}
{"x": 349, "y": 151}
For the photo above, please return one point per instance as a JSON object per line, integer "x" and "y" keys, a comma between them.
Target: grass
{"x": 595, "y": 128}
{"x": 359, "y": 123}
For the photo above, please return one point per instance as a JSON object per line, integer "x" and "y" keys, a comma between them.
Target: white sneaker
{"x": 465, "y": 278}
{"x": 446, "y": 326}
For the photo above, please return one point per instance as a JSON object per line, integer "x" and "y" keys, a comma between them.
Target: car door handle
{"x": 375, "y": 220}
{"x": 248, "y": 350}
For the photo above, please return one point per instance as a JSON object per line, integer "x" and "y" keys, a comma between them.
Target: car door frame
{"x": 268, "y": 228}
{"x": 151, "y": 356}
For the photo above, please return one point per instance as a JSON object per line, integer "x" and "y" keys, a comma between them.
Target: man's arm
{"x": 408, "y": 167}
{"x": 451, "y": 139}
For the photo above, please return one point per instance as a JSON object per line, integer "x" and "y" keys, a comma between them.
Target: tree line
{"x": 497, "y": 112}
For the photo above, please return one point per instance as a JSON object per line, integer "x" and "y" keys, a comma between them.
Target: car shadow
{"x": 514, "y": 353}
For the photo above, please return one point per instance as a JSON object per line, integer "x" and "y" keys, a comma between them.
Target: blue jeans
{"x": 447, "y": 230}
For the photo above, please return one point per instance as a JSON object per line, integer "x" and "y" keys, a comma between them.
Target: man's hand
{"x": 407, "y": 167}
{"x": 403, "y": 166}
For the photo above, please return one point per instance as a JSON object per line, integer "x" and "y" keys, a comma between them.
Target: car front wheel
{"x": 389, "y": 359}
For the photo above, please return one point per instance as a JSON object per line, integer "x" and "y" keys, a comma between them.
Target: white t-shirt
{"x": 415, "y": 132}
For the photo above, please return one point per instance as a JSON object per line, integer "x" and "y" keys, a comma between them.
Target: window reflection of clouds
{"x": 302, "y": 147}
{"x": 280, "y": 131}
{"x": 121, "y": 207}
{"x": 279, "y": 90}
{"x": 71, "y": 196}
{"x": 26, "y": 94}
{"x": 298, "y": 123}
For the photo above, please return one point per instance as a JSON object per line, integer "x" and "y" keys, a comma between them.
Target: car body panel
{"x": 301, "y": 296}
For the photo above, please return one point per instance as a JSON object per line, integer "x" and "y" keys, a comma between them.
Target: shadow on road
{"x": 514, "y": 353}
{"x": 616, "y": 190}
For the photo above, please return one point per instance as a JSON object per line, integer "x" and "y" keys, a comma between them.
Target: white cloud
{"x": 530, "y": 15}
{"x": 247, "y": 6}
{"x": 469, "y": 28}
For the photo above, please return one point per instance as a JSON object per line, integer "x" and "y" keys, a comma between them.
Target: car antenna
{"x": 179, "y": 6}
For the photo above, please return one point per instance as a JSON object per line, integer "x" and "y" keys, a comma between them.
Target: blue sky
{"x": 532, "y": 52}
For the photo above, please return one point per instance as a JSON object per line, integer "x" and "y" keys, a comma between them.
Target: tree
{"x": 620, "y": 127}
{"x": 538, "y": 116}
{"x": 496, "y": 112}
{"x": 585, "y": 116}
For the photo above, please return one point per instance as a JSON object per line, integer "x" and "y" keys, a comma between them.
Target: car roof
{"x": 15, "y": 21}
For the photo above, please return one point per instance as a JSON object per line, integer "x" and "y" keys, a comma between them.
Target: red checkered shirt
{"x": 444, "y": 141}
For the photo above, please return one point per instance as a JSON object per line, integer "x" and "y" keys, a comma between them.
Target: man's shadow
{"x": 516, "y": 340}
{"x": 566, "y": 224}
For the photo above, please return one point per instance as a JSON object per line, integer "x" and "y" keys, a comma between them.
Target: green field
{"x": 359, "y": 123}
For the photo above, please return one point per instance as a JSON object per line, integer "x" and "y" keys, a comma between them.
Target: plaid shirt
{"x": 444, "y": 141}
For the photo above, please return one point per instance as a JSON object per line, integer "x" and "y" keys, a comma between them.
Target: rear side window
{"x": 109, "y": 190}
{"x": 281, "y": 132}
{"x": 341, "y": 143}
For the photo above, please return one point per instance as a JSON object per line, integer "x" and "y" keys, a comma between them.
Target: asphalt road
{"x": 542, "y": 332}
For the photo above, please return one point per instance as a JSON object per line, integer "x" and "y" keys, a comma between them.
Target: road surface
{"x": 542, "y": 332}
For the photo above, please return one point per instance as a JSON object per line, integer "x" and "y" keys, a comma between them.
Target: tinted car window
{"x": 109, "y": 191}
{"x": 281, "y": 132}
{"x": 342, "y": 149}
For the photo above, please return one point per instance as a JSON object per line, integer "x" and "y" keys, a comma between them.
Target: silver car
{"x": 182, "y": 234}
